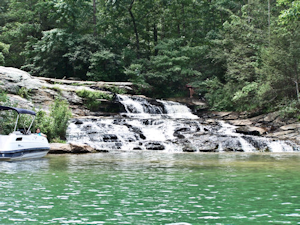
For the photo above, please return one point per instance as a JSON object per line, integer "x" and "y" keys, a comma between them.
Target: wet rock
{"x": 230, "y": 144}
{"x": 207, "y": 143}
{"x": 135, "y": 130}
{"x": 189, "y": 149}
{"x": 110, "y": 138}
{"x": 256, "y": 131}
{"x": 182, "y": 129}
{"x": 77, "y": 122}
{"x": 178, "y": 135}
{"x": 58, "y": 148}
{"x": 177, "y": 132}
{"x": 257, "y": 143}
{"x": 154, "y": 146}
{"x": 221, "y": 114}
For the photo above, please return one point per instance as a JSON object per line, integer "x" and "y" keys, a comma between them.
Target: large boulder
{"x": 12, "y": 79}
{"x": 249, "y": 130}
{"x": 59, "y": 148}
{"x": 295, "y": 126}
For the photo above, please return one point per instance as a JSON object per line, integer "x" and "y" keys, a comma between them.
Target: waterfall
{"x": 229, "y": 130}
{"x": 177, "y": 110}
{"x": 150, "y": 124}
{"x": 139, "y": 106}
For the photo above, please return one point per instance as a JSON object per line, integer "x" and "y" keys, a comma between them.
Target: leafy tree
{"x": 23, "y": 20}
{"x": 291, "y": 11}
{"x": 240, "y": 48}
{"x": 170, "y": 70}
{"x": 53, "y": 45}
{"x": 282, "y": 65}
{"x": 4, "y": 50}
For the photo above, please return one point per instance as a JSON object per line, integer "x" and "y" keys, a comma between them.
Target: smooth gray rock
{"x": 12, "y": 79}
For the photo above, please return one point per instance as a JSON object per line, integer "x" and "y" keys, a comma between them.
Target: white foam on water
{"x": 229, "y": 130}
{"x": 164, "y": 126}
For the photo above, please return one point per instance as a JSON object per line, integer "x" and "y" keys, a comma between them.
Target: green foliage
{"x": 4, "y": 49}
{"x": 91, "y": 98}
{"x": 170, "y": 70}
{"x": 291, "y": 11}
{"x": 8, "y": 121}
{"x": 115, "y": 89}
{"x": 61, "y": 114}
{"x": 281, "y": 64}
{"x": 290, "y": 109}
{"x": 243, "y": 55}
{"x": 45, "y": 57}
{"x": 58, "y": 89}
{"x": 45, "y": 123}
{"x": 239, "y": 49}
{"x": 106, "y": 66}
{"x": 7, "y": 118}
{"x": 58, "y": 140}
{"x": 3, "y": 97}
{"x": 24, "y": 92}
{"x": 217, "y": 95}
{"x": 55, "y": 124}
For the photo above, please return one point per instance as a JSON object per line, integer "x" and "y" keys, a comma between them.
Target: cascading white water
{"x": 230, "y": 131}
{"x": 139, "y": 106}
{"x": 144, "y": 126}
{"x": 252, "y": 143}
{"x": 163, "y": 125}
{"x": 177, "y": 110}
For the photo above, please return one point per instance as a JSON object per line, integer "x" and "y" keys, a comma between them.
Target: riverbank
{"x": 270, "y": 125}
{"x": 27, "y": 91}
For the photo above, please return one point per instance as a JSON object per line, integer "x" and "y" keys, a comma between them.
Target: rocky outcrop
{"x": 12, "y": 79}
{"x": 58, "y": 148}
{"x": 31, "y": 92}
{"x": 27, "y": 91}
{"x": 268, "y": 125}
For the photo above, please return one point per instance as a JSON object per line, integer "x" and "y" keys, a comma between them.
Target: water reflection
{"x": 24, "y": 165}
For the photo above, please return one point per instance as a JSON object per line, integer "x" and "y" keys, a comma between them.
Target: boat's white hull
{"x": 18, "y": 146}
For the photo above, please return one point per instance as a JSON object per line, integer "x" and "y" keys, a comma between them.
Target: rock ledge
{"x": 58, "y": 148}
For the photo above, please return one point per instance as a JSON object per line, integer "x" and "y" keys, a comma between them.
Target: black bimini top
{"x": 18, "y": 110}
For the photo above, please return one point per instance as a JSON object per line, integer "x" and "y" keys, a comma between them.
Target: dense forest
{"x": 238, "y": 54}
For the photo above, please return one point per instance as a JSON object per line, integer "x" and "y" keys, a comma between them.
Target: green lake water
{"x": 152, "y": 188}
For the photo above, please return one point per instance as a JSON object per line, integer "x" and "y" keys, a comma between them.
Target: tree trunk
{"x": 269, "y": 19}
{"x": 135, "y": 29}
{"x": 249, "y": 11}
{"x": 183, "y": 19}
{"x": 94, "y": 17}
{"x": 155, "y": 39}
{"x": 297, "y": 81}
